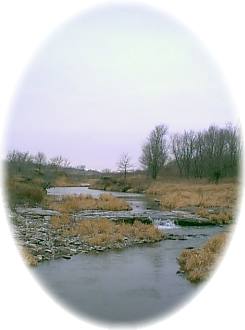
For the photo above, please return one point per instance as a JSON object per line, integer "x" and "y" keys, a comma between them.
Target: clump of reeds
{"x": 198, "y": 263}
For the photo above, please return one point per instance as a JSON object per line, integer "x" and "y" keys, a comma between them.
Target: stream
{"x": 124, "y": 286}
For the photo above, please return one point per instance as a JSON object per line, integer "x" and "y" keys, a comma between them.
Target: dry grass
{"x": 198, "y": 263}
{"x": 62, "y": 181}
{"x": 177, "y": 195}
{"x": 103, "y": 231}
{"x": 29, "y": 258}
{"x": 71, "y": 204}
{"x": 66, "y": 181}
{"x": 220, "y": 217}
{"x": 59, "y": 221}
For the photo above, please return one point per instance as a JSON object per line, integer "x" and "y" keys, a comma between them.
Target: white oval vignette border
{"x": 24, "y": 25}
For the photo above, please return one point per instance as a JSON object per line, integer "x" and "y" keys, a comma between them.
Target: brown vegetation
{"x": 200, "y": 196}
{"x": 104, "y": 232}
{"x": 133, "y": 183}
{"x": 218, "y": 217}
{"x": 198, "y": 263}
{"x": 71, "y": 204}
{"x": 59, "y": 221}
{"x": 64, "y": 181}
{"x": 215, "y": 202}
{"x": 179, "y": 195}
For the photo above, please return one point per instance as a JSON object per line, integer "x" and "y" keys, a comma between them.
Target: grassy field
{"x": 197, "y": 264}
{"x": 216, "y": 202}
{"x": 184, "y": 194}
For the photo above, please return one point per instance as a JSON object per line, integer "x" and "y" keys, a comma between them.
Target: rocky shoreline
{"x": 34, "y": 232}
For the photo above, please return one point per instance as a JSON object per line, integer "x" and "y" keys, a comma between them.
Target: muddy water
{"x": 131, "y": 285}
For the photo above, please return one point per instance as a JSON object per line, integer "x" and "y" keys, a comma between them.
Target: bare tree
{"x": 155, "y": 151}
{"x": 183, "y": 151}
{"x": 40, "y": 159}
{"x": 19, "y": 160}
{"x": 106, "y": 171}
{"x": 81, "y": 167}
{"x": 59, "y": 161}
{"x": 66, "y": 163}
{"x": 124, "y": 164}
{"x": 212, "y": 153}
{"x": 19, "y": 157}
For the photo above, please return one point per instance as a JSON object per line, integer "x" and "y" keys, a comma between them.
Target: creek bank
{"x": 35, "y": 233}
{"x": 33, "y": 229}
{"x": 197, "y": 263}
{"x": 179, "y": 218}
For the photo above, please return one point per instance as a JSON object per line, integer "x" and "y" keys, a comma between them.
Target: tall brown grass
{"x": 219, "y": 217}
{"x": 71, "y": 204}
{"x": 62, "y": 181}
{"x": 179, "y": 195}
{"x": 198, "y": 263}
{"x": 103, "y": 231}
{"x": 59, "y": 221}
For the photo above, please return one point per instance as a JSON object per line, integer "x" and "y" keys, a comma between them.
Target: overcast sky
{"x": 102, "y": 82}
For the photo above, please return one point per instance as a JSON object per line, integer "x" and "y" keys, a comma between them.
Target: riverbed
{"x": 131, "y": 285}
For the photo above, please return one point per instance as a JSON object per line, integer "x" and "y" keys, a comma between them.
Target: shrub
{"x": 24, "y": 193}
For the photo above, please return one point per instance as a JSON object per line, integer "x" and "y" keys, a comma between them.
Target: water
{"x": 85, "y": 190}
{"x": 131, "y": 285}
{"x": 141, "y": 206}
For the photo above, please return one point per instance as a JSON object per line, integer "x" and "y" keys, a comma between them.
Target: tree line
{"x": 19, "y": 159}
{"x": 209, "y": 153}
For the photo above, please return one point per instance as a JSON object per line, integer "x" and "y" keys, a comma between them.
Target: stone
{"x": 193, "y": 222}
{"x": 180, "y": 272}
{"x": 35, "y": 211}
{"x": 100, "y": 248}
{"x": 66, "y": 257}
{"x": 48, "y": 251}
